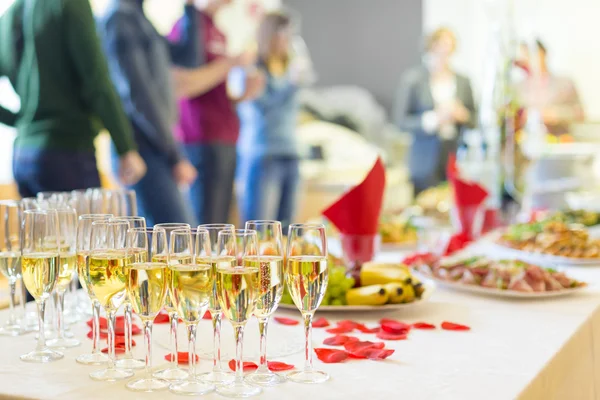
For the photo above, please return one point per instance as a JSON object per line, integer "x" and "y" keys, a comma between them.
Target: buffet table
{"x": 548, "y": 349}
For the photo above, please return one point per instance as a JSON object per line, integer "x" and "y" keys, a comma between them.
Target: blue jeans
{"x": 212, "y": 192}
{"x": 159, "y": 199}
{"x": 43, "y": 170}
{"x": 268, "y": 188}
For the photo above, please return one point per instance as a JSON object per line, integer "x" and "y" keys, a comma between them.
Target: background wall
{"x": 569, "y": 29}
{"x": 361, "y": 42}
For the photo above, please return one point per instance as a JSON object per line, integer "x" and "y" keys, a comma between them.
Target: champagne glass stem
{"x": 128, "y": 330}
{"x": 148, "y": 337}
{"x": 60, "y": 321}
{"x": 308, "y": 365}
{"x": 95, "y": 326}
{"x": 239, "y": 349}
{"x": 24, "y": 300}
{"x": 41, "y": 306}
{"x": 192, "y": 350}
{"x": 12, "y": 319}
{"x": 262, "y": 330}
{"x": 174, "y": 347}
{"x": 216, "y": 321}
{"x": 111, "y": 339}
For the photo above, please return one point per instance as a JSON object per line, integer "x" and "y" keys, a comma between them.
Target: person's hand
{"x": 460, "y": 113}
{"x": 245, "y": 59}
{"x": 255, "y": 85}
{"x": 132, "y": 168}
{"x": 550, "y": 117}
{"x": 184, "y": 173}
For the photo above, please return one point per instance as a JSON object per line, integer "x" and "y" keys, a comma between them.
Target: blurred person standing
{"x": 140, "y": 62}
{"x": 434, "y": 104}
{"x": 269, "y": 156}
{"x": 208, "y": 126}
{"x": 555, "y": 97}
{"x": 50, "y": 52}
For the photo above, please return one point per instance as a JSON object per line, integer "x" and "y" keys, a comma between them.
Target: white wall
{"x": 570, "y": 29}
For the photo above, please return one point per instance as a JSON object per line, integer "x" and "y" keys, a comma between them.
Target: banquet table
{"x": 516, "y": 349}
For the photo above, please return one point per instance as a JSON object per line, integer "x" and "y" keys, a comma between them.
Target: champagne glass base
{"x": 308, "y": 376}
{"x": 147, "y": 385}
{"x": 239, "y": 389}
{"x": 92, "y": 359}
{"x": 62, "y": 343}
{"x": 130, "y": 363}
{"x": 42, "y": 356}
{"x": 12, "y": 330}
{"x": 171, "y": 374}
{"x": 267, "y": 378}
{"x": 111, "y": 374}
{"x": 216, "y": 377}
{"x": 192, "y": 388}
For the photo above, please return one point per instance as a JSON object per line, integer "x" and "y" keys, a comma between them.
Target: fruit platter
{"x": 549, "y": 241}
{"x": 507, "y": 278}
{"x": 379, "y": 287}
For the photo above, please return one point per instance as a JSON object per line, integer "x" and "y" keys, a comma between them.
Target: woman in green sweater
{"x": 50, "y": 52}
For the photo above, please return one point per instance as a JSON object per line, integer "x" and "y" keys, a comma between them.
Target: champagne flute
{"x": 146, "y": 288}
{"x": 40, "y": 268}
{"x": 128, "y": 362}
{"x": 217, "y": 375}
{"x": 10, "y": 261}
{"x": 28, "y": 319}
{"x": 191, "y": 287}
{"x": 172, "y": 372}
{"x": 84, "y": 230}
{"x": 306, "y": 277}
{"x": 237, "y": 289}
{"x": 270, "y": 279}
{"x": 67, "y": 225}
{"x": 106, "y": 269}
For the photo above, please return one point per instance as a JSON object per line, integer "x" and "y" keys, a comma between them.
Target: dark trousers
{"x": 42, "y": 170}
{"x": 212, "y": 192}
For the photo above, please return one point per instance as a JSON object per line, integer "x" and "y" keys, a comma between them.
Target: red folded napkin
{"x": 357, "y": 211}
{"x": 468, "y": 201}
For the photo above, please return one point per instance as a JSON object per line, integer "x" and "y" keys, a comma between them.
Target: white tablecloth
{"x": 516, "y": 349}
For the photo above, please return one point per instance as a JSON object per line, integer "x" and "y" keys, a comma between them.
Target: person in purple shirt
{"x": 208, "y": 127}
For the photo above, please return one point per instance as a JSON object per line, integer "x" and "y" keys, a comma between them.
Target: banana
{"x": 374, "y": 295}
{"x": 395, "y": 292}
{"x": 380, "y": 274}
{"x": 409, "y": 292}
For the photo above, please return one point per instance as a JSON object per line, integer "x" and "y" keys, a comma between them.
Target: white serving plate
{"x": 538, "y": 258}
{"x": 429, "y": 289}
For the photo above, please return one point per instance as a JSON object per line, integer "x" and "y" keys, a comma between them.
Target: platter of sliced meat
{"x": 507, "y": 278}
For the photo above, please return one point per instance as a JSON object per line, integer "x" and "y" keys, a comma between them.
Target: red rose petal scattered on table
{"x": 339, "y": 340}
{"x": 118, "y": 350}
{"x": 383, "y": 335}
{"x": 393, "y": 326}
{"x": 352, "y": 347}
{"x": 331, "y": 356}
{"x": 363, "y": 328}
{"x": 320, "y": 323}
{"x": 207, "y": 315}
{"x": 452, "y": 326}
{"x": 339, "y": 330}
{"x": 103, "y": 335}
{"x": 286, "y": 321}
{"x": 162, "y": 318}
{"x": 248, "y": 366}
{"x": 348, "y": 324}
{"x": 182, "y": 357}
{"x": 423, "y": 325}
{"x": 372, "y": 353}
{"x": 277, "y": 366}
{"x": 135, "y": 330}
{"x": 120, "y": 341}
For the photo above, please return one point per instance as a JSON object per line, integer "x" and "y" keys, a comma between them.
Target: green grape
{"x": 348, "y": 284}
{"x": 337, "y": 302}
{"x": 337, "y": 275}
{"x": 336, "y": 291}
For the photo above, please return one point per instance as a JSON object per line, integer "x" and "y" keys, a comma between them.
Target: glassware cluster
{"x": 120, "y": 263}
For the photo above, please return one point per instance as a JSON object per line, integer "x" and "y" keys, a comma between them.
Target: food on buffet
{"x": 579, "y": 217}
{"x": 435, "y": 200}
{"x": 503, "y": 274}
{"x": 397, "y": 230}
{"x": 379, "y": 284}
{"x": 552, "y": 238}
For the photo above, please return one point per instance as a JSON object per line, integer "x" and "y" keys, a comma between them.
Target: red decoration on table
{"x": 355, "y": 346}
{"x": 331, "y": 356}
{"x": 339, "y": 340}
{"x": 383, "y": 335}
{"x": 423, "y": 325}
{"x": 161, "y": 318}
{"x": 339, "y": 330}
{"x": 103, "y": 322}
{"x": 320, "y": 323}
{"x": 103, "y": 335}
{"x": 277, "y": 366}
{"x": 247, "y": 367}
{"x": 372, "y": 353}
{"x": 135, "y": 330}
{"x": 363, "y": 329}
{"x": 452, "y": 326}
{"x": 207, "y": 315}
{"x": 120, "y": 341}
{"x": 286, "y": 321}
{"x": 118, "y": 350}
{"x": 183, "y": 357}
{"x": 395, "y": 327}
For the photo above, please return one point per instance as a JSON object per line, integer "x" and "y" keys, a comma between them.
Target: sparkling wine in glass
{"x": 107, "y": 261}
{"x": 217, "y": 375}
{"x": 307, "y": 275}
{"x": 147, "y": 288}
{"x": 40, "y": 269}
{"x": 191, "y": 288}
{"x": 83, "y": 248}
{"x": 269, "y": 263}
